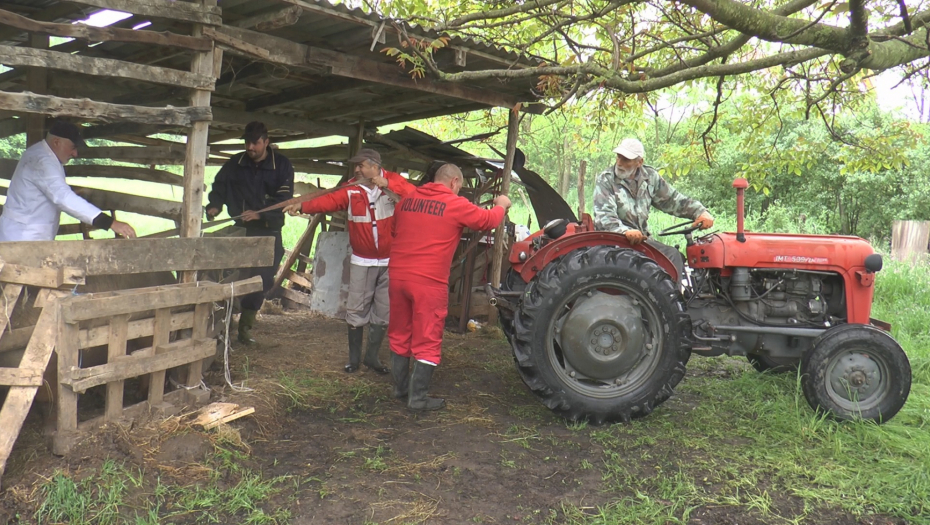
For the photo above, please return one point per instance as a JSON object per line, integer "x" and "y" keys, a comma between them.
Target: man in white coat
{"x": 38, "y": 192}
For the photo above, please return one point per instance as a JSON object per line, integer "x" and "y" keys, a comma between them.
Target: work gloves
{"x": 634, "y": 236}
{"x": 704, "y": 220}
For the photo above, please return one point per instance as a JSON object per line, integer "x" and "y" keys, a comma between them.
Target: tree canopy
{"x": 817, "y": 50}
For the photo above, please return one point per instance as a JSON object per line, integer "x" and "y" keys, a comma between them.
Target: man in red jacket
{"x": 428, "y": 226}
{"x": 370, "y": 207}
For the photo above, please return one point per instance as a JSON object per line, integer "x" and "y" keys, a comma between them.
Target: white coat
{"x": 37, "y": 195}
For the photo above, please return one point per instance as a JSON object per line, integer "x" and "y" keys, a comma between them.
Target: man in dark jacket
{"x": 252, "y": 180}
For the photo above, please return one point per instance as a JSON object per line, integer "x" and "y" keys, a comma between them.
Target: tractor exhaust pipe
{"x": 740, "y": 185}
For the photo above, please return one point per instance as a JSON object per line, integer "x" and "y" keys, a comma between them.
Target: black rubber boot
{"x": 418, "y": 401}
{"x": 355, "y": 348}
{"x": 375, "y": 336}
{"x": 400, "y": 367}
{"x": 246, "y": 321}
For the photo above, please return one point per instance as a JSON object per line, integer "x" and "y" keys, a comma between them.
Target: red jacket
{"x": 364, "y": 216}
{"x": 428, "y": 226}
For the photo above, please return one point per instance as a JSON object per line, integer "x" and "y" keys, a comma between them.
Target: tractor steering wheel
{"x": 684, "y": 228}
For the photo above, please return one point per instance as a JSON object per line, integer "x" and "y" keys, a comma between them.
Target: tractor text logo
{"x": 800, "y": 259}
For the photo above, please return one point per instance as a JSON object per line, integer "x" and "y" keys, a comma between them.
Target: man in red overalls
{"x": 428, "y": 225}
{"x": 370, "y": 208}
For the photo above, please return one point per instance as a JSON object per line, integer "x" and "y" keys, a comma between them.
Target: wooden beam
{"x": 58, "y": 107}
{"x": 10, "y": 297}
{"x": 112, "y": 200}
{"x": 116, "y": 349}
{"x": 41, "y": 277}
{"x": 119, "y": 256}
{"x": 21, "y": 377}
{"x": 105, "y": 34}
{"x": 184, "y": 11}
{"x": 326, "y": 86}
{"x": 171, "y": 154}
{"x": 19, "y": 398}
{"x": 279, "y": 122}
{"x": 13, "y": 56}
{"x": 272, "y": 20}
{"x": 84, "y": 307}
{"x": 121, "y": 128}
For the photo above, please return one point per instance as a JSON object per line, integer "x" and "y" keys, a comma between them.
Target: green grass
{"x": 117, "y": 494}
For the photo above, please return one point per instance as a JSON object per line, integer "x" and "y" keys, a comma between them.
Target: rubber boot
{"x": 400, "y": 368}
{"x": 375, "y": 336}
{"x": 246, "y": 321}
{"x": 418, "y": 401}
{"x": 355, "y": 348}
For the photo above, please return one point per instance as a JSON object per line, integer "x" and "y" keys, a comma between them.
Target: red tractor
{"x": 601, "y": 331}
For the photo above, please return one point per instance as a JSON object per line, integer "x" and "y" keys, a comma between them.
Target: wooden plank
{"x": 141, "y": 328}
{"x": 215, "y": 414}
{"x": 299, "y": 279}
{"x": 19, "y": 398}
{"x": 15, "y": 339}
{"x": 185, "y": 11}
{"x": 305, "y": 237}
{"x": 42, "y": 277}
{"x": 124, "y": 172}
{"x": 118, "y": 256}
{"x": 20, "y": 377}
{"x": 18, "y": 56}
{"x": 513, "y": 130}
{"x": 167, "y": 356}
{"x": 11, "y": 294}
{"x": 85, "y": 108}
{"x": 172, "y": 154}
{"x": 159, "y": 341}
{"x": 201, "y": 318}
{"x": 80, "y": 308}
{"x": 105, "y": 34}
{"x": 112, "y": 200}
{"x": 116, "y": 348}
{"x": 297, "y": 297}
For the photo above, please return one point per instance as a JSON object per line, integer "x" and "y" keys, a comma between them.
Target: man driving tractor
{"x": 624, "y": 192}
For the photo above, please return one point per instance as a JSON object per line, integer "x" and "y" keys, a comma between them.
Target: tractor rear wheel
{"x": 856, "y": 371}
{"x": 602, "y": 335}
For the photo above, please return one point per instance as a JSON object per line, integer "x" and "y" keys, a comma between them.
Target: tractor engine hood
{"x": 780, "y": 250}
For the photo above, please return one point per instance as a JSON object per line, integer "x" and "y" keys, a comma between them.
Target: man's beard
{"x": 624, "y": 173}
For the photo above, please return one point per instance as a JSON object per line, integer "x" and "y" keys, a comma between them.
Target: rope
{"x": 226, "y": 348}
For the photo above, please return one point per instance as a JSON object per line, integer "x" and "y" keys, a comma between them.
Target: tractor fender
{"x": 563, "y": 245}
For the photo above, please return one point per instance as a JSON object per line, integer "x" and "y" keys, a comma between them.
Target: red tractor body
{"x": 602, "y": 330}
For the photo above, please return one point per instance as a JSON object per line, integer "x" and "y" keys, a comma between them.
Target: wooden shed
{"x": 175, "y": 79}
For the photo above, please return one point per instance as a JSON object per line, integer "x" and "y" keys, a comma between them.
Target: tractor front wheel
{"x": 602, "y": 335}
{"x": 856, "y": 371}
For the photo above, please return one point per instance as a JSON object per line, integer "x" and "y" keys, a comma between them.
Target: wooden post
{"x": 197, "y": 149}
{"x": 513, "y": 121}
{"x": 116, "y": 348}
{"x": 67, "y": 421}
{"x": 581, "y": 173}
{"x": 468, "y": 272}
{"x": 195, "y": 369}
{"x": 36, "y": 82}
{"x": 909, "y": 240}
{"x": 159, "y": 338}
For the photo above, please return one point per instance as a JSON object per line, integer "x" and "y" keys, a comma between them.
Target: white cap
{"x": 631, "y": 149}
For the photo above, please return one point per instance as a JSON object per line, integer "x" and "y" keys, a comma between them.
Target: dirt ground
{"x": 353, "y": 454}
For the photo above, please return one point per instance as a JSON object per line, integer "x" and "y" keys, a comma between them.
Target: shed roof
{"x": 347, "y": 77}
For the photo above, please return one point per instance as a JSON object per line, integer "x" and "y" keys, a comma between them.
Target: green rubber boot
{"x": 246, "y": 322}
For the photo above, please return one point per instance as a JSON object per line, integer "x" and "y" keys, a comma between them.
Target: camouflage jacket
{"x": 621, "y": 205}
